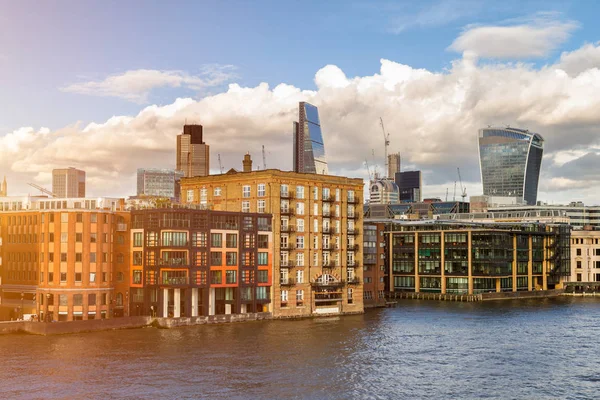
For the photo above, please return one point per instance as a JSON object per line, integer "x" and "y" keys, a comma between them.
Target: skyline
{"x": 433, "y": 100}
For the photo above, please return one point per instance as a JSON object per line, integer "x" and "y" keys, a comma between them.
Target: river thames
{"x": 538, "y": 349}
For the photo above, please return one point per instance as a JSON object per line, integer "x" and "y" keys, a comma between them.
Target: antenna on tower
{"x": 220, "y": 164}
{"x": 264, "y": 157}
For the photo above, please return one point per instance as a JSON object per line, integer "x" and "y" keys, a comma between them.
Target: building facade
{"x": 510, "y": 160}
{"x": 461, "y": 258}
{"x": 316, "y": 230}
{"x": 375, "y": 264}
{"x": 68, "y": 182}
{"x": 410, "y": 186}
{"x": 189, "y": 262}
{"x": 383, "y": 191}
{"x": 585, "y": 256}
{"x": 158, "y": 182}
{"x": 393, "y": 165}
{"x": 309, "y": 149}
{"x": 579, "y": 214}
{"x": 193, "y": 155}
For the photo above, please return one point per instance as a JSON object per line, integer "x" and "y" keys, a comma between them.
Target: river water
{"x": 538, "y": 349}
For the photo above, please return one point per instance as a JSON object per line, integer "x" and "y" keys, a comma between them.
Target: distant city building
{"x": 410, "y": 186}
{"x": 193, "y": 155}
{"x": 68, "y": 182}
{"x": 393, "y": 165}
{"x": 383, "y": 191}
{"x": 375, "y": 259}
{"x": 585, "y": 256}
{"x": 579, "y": 214}
{"x": 158, "y": 182}
{"x": 4, "y": 188}
{"x": 510, "y": 162}
{"x": 415, "y": 211}
{"x": 309, "y": 150}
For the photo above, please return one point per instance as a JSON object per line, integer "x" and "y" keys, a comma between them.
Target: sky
{"x": 107, "y": 86}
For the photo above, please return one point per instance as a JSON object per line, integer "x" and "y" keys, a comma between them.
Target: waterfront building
{"x": 156, "y": 182}
{"x": 393, "y": 165}
{"x": 410, "y": 186}
{"x": 383, "y": 191}
{"x": 58, "y": 255}
{"x": 579, "y": 214}
{"x": 418, "y": 210}
{"x": 309, "y": 148}
{"x": 193, "y": 155}
{"x": 189, "y": 262}
{"x": 375, "y": 261}
{"x": 510, "y": 160}
{"x": 585, "y": 256}
{"x": 317, "y": 229}
{"x": 68, "y": 182}
{"x": 469, "y": 258}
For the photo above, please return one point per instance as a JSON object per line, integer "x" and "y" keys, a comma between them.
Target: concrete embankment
{"x": 475, "y": 297}
{"x": 61, "y": 328}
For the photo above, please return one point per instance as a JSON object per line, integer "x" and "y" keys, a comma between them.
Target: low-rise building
{"x": 585, "y": 256}
{"x": 375, "y": 264}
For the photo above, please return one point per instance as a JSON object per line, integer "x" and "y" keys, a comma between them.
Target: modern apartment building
{"x": 585, "y": 256}
{"x": 193, "y": 155}
{"x": 59, "y": 255}
{"x": 471, "y": 258}
{"x": 410, "y": 186}
{"x": 510, "y": 161}
{"x": 157, "y": 182}
{"x": 309, "y": 149}
{"x": 317, "y": 231}
{"x": 375, "y": 264}
{"x": 188, "y": 262}
{"x": 68, "y": 182}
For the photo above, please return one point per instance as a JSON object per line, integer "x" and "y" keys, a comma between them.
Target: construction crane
{"x": 368, "y": 170}
{"x": 463, "y": 189}
{"x": 220, "y": 164}
{"x": 386, "y": 138}
{"x": 264, "y": 157}
{"x": 43, "y": 190}
{"x": 454, "y": 195}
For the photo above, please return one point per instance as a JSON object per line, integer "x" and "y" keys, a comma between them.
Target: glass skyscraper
{"x": 309, "y": 151}
{"x": 510, "y": 161}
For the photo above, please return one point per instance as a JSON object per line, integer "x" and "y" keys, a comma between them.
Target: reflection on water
{"x": 522, "y": 349}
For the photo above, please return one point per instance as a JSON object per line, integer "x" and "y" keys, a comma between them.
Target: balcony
{"x": 354, "y": 247}
{"x": 287, "y": 211}
{"x": 354, "y": 281}
{"x": 287, "y": 195}
{"x": 173, "y": 262}
{"x": 121, "y": 227}
{"x": 174, "y": 281}
{"x": 353, "y": 264}
{"x": 320, "y": 284}
{"x": 352, "y": 200}
{"x": 327, "y": 214}
{"x": 330, "y": 265}
{"x": 285, "y": 246}
{"x": 287, "y": 264}
{"x": 287, "y": 282}
{"x": 353, "y": 231}
{"x": 328, "y": 199}
{"x": 353, "y": 216}
{"x": 288, "y": 228}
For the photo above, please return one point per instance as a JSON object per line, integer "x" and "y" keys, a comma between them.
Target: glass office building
{"x": 510, "y": 161}
{"x": 309, "y": 150}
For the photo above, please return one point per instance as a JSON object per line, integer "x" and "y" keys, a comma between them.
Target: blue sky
{"x": 95, "y": 84}
{"x": 45, "y": 45}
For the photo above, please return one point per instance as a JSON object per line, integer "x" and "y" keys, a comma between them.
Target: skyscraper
{"x": 158, "y": 182}
{"x": 393, "y": 165}
{"x": 510, "y": 161}
{"x": 410, "y": 184}
{"x": 68, "y": 182}
{"x": 309, "y": 151}
{"x": 193, "y": 155}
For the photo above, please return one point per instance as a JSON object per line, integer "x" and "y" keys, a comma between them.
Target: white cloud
{"x": 441, "y": 13}
{"x": 536, "y": 37}
{"x": 136, "y": 85}
{"x": 433, "y": 118}
{"x": 580, "y": 60}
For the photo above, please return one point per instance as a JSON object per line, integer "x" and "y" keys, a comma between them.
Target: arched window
{"x": 119, "y": 299}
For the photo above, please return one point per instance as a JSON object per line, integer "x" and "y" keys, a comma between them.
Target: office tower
{"x": 317, "y": 229}
{"x": 510, "y": 161}
{"x": 193, "y": 155}
{"x": 68, "y": 182}
{"x": 4, "y": 188}
{"x": 309, "y": 150}
{"x": 158, "y": 182}
{"x": 410, "y": 186}
{"x": 383, "y": 191}
{"x": 393, "y": 165}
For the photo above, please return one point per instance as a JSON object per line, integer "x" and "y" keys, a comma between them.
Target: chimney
{"x": 247, "y": 163}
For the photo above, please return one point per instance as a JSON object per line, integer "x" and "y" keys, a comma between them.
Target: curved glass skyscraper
{"x": 510, "y": 161}
{"x": 309, "y": 151}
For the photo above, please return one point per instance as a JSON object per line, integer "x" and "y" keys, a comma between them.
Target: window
{"x": 63, "y": 257}
{"x": 50, "y": 277}
{"x": 64, "y": 237}
{"x": 93, "y": 237}
{"x": 217, "y": 192}
{"x": 78, "y": 277}
{"x": 261, "y": 293}
{"x": 216, "y": 240}
{"x": 300, "y": 259}
{"x": 300, "y": 208}
{"x": 284, "y": 191}
{"x": 246, "y": 191}
{"x": 262, "y": 190}
{"x": 231, "y": 240}
{"x": 261, "y": 206}
{"x": 299, "y": 276}
{"x": 230, "y": 276}
{"x": 63, "y": 277}
{"x": 137, "y": 258}
{"x": 79, "y": 237}
{"x": 300, "y": 192}
{"x": 199, "y": 239}
{"x": 51, "y": 237}
{"x": 216, "y": 277}
{"x": 92, "y": 299}
{"x": 263, "y": 258}
{"x": 64, "y": 217}
{"x": 300, "y": 225}
{"x": 62, "y": 298}
{"x": 299, "y": 242}
{"x": 79, "y": 217}
{"x": 92, "y": 277}
{"x": 216, "y": 258}
{"x": 190, "y": 196}
{"x": 350, "y": 294}
{"x": 263, "y": 241}
{"x": 120, "y": 276}
{"x": 578, "y": 264}
{"x": 176, "y": 239}
{"x": 137, "y": 239}
{"x": 299, "y": 296}
{"x": 137, "y": 277}
{"x": 77, "y": 300}
{"x": 231, "y": 258}
{"x": 104, "y": 299}
{"x": 104, "y": 257}
{"x": 578, "y": 252}
{"x": 94, "y": 218}
{"x": 284, "y": 296}
{"x": 245, "y": 206}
